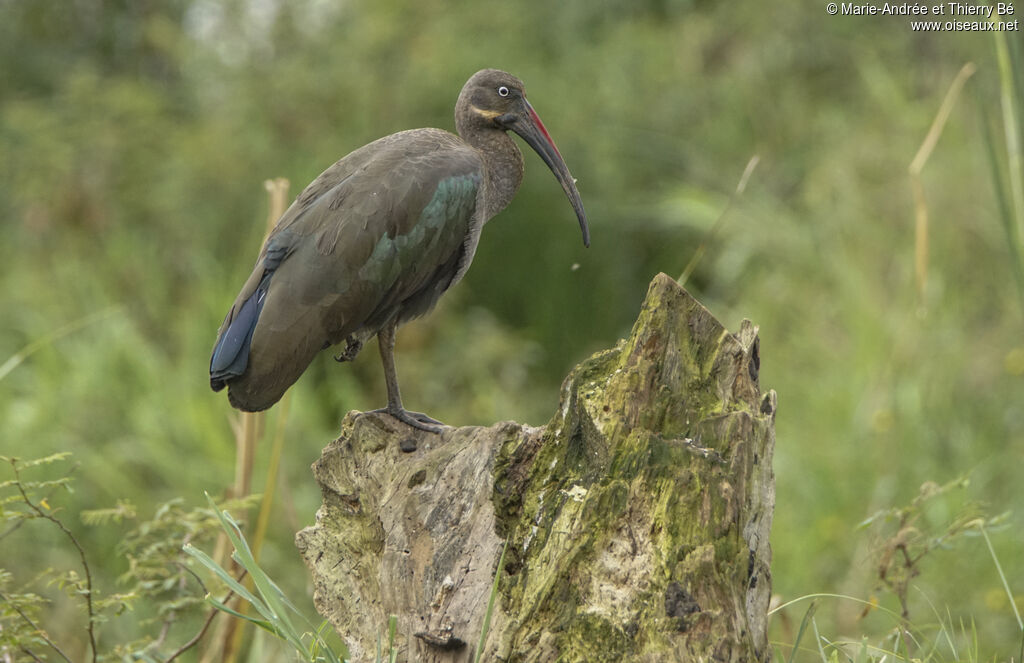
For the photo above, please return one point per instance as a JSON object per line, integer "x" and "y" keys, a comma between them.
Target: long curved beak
{"x": 527, "y": 124}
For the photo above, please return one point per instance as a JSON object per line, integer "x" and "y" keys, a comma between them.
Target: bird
{"x": 375, "y": 240}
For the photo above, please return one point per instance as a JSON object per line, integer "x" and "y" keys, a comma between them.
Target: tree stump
{"x": 635, "y": 524}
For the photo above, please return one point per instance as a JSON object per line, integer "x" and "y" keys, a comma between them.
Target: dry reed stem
{"x": 253, "y": 424}
{"x": 915, "y": 169}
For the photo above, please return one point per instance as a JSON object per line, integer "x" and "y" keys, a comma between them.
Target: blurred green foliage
{"x": 135, "y": 137}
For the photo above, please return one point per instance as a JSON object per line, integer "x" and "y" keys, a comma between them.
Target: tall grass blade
{"x": 817, "y": 639}
{"x": 271, "y": 602}
{"x": 60, "y": 332}
{"x": 862, "y": 653}
{"x": 1002, "y": 577}
{"x": 1007, "y": 177}
{"x": 262, "y": 623}
{"x": 276, "y": 608}
{"x": 490, "y": 605}
{"x": 1009, "y": 100}
{"x": 828, "y": 595}
{"x": 392, "y": 632}
{"x": 218, "y": 570}
{"x": 803, "y": 627}
{"x": 717, "y": 225}
{"x": 1013, "y": 242}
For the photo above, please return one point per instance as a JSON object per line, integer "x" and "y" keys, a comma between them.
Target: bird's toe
{"x": 423, "y": 418}
{"x": 417, "y": 420}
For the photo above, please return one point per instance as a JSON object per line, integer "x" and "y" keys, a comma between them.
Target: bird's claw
{"x": 414, "y": 419}
{"x": 352, "y": 348}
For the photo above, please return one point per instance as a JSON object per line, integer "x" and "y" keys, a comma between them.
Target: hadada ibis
{"x": 375, "y": 240}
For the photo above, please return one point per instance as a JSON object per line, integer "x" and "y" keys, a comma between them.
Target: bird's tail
{"x": 231, "y": 353}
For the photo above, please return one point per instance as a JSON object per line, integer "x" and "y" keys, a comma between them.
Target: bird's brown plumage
{"x": 375, "y": 240}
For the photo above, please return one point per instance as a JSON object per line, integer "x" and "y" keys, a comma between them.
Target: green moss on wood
{"x": 639, "y": 475}
{"x": 597, "y": 639}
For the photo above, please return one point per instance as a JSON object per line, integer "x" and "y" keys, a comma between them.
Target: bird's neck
{"x": 503, "y": 166}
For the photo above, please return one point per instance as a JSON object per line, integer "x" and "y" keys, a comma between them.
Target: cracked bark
{"x": 636, "y": 520}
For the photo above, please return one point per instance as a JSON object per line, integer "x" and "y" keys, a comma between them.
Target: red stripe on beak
{"x": 540, "y": 125}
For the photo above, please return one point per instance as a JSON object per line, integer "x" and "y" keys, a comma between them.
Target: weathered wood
{"x": 636, "y": 521}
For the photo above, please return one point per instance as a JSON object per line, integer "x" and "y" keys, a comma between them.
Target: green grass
{"x": 943, "y": 640}
{"x": 915, "y": 628}
{"x": 277, "y": 614}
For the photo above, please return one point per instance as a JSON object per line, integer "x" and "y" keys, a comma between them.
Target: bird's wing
{"x": 364, "y": 213}
{"x": 397, "y": 213}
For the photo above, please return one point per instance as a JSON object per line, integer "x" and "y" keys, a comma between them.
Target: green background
{"x": 135, "y": 138}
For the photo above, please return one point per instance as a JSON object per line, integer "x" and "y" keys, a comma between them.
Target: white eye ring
{"x": 503, "y": 91}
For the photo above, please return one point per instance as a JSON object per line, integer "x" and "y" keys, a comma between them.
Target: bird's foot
{"x": 414, "y": 419}
{"x": 352, "y": 348}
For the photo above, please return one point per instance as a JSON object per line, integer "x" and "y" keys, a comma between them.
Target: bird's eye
{"x": 503, "y": 91}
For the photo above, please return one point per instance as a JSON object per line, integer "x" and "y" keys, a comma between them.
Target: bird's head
{"x": 495, "y": 99}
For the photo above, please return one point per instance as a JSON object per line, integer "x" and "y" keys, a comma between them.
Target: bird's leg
{"x": 386, "y": 341}
{"x": 352, "y": 347}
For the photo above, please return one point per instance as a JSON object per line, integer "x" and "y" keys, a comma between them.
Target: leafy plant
{"x": 23, "y": 608}
{"x": 161, "y": 591}
{"x": 278, "y": 615}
